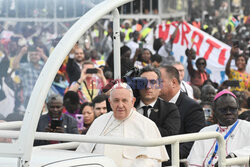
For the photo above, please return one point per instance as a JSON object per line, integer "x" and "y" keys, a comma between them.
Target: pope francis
{"x": 125, "y": 122}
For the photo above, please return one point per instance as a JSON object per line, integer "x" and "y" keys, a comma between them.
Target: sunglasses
{"x": 155, "y": 84}
{"x": 152, "y": 81}
{"x": 226, "y": 109}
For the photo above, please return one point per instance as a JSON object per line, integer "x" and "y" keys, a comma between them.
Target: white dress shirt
{"x": 185, "y": 87}
{"x": 141, "y": 104}
{"x": 174, "y": 99}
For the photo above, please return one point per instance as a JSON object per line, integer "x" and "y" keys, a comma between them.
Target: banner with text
{"x": 214, "y": 51}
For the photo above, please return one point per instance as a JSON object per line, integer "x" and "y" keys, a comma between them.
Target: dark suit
{"x": 192, "y": 120}
{"x": 166, "y": 117}
{"x": 69, "y": 123}
{"x": 73, "y": 70}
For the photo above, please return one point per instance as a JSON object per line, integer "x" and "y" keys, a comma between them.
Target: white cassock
{"x": 136, "y": 126}
{"x": 237, "y": 142}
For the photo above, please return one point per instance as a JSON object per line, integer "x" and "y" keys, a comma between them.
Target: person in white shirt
{"x": 133, "y": 44}
{"x": 125, "y": 122}
{"x": 236, "y": 133}
{"x": 185, "y": 87}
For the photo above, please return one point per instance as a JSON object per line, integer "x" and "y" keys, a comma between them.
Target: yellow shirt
{"x": 243, "y": 78}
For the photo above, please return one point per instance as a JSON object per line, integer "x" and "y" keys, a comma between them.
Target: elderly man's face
{"x": 226, "y": 110}
{"x": 55, "y": 108}
{"x": 121, "y": 103}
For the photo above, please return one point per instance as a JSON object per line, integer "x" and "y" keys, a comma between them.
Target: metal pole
{"x": 11, "y": 125}
{"x": 202, "y": 9}
{"x": 222, "y": 153}
{"x": 160, "y": 10}
{"x": 64, "y": 9}
{"x": 46, "y": 7}
{"x": 116, "y": 37}
{"x": 17, "y": 11}
{"x": 150, "y": 6}
{"x": 55, "y": 16}
{"x": 175, "y": 154}
{"x": 131, "y": 7}
{"x": 74, "y": 8}
{"x": 141, "y": 8}
{"x": 238, "y": 160}
{"x": 229, "y": 7}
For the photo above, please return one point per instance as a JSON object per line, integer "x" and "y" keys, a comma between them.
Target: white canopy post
{"x": 116, "y": 37}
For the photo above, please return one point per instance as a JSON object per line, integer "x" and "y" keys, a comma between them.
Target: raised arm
{"x": 175, "y": 32}
{"x": 42, "y": 54}
{"x": 189, "y": 61}
{"x": 18, "y": 58}
{"x": 101, "y": 77}
{"x": 75, "y": 86}
{"x": 234, "y": 50}
{"x": 70, "y": 67}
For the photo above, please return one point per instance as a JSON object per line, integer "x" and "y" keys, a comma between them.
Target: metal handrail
{"x": 173, "y": 140}
{"x": 10, "y": 125}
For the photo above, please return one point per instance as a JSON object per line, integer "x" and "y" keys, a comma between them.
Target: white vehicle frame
{"x": 22, "y": 148}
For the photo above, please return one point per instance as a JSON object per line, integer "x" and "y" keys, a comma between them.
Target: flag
{"x": 234, "y": 21}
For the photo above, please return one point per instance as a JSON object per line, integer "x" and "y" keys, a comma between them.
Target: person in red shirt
{"x": 200, "y": 75}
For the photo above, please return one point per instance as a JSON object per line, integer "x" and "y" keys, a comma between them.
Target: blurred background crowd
{"x": 25, "y": 47}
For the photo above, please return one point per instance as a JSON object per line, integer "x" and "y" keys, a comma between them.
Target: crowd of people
{"x": 166, "y": 104}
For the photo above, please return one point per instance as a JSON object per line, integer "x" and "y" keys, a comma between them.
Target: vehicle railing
{"x": 11, "y": 125}
{"x": 173, "y": 140}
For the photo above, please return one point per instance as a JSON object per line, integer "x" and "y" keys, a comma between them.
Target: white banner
{"x": 214, "y": 51}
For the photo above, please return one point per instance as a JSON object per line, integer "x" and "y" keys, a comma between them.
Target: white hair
{"x": 53, "y": 97}
{"x": 124, "y": 86}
